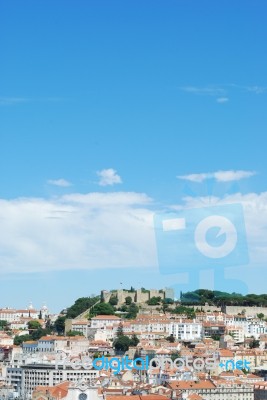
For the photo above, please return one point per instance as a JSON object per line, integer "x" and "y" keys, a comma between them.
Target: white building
{"x": 18, "y": 325}
{"x": 256, "y": 328}
{"x": 69, "y": 391}
{"x": 6, "y": 340}
{"x": 102, "y": 321}
{"x": 186, "y": 331}
{"x": 8, "y": 314}
{"x": 237, "y": 332}
{"x": 212, "y": 390}
{"x": 80, "y": 326}
{"x": 71, "y": 344}
{"x": 27, "y": 377}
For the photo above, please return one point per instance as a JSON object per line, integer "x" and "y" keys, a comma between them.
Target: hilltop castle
{"x": 138, "y": 296}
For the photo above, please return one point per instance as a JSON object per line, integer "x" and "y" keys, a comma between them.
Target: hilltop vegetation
{"x": 82, "y": 304}
{"x": 217, "y": 298}
{"x": 130, "y": 310}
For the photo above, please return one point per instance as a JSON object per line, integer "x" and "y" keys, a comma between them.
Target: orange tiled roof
{"x": 58, "y": 390}
{"x": 202, "y": 384}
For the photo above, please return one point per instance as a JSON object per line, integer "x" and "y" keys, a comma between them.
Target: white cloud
{"x": 102, "y": 230}
{"x": 229, "y": 176}
{"x": 195, "y": 177}
{"x": 219, "y": 176}
{"x": 59, "y": 182}
{"x": 257, "y": 89}
{"x": 97, "y": 230}
{"x": 222, "y": 99}
{"x": 108, "y": 177}
{"x": 109, "y": 199}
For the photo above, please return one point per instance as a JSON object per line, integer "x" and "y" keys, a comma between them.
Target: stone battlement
{"x": 138, "y": 296}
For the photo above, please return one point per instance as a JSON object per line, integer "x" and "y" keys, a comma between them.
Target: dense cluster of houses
{"x": 47, "y": 368}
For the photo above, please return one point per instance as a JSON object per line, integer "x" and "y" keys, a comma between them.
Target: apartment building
{"x": 8, "y": 314}
{"x": 146, "y": 328}
{"x": 256, "y": 328}
{"x": 186, "y": 331}
{"x": 213, "y": 329}
{"x": 29, "y": 376}
{"x": 236, "y": 332}
{"x": 212, "y": 390}
{"x": 103, "y": 321}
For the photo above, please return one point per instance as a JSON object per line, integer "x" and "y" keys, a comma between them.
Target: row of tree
{"x": 218, "y": 298}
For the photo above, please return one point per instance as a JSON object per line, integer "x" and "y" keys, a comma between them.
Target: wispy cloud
{"x": 223, "y": 91}
{"x": 209, "y": 90}
{"x": 257, "y": 89}
{"x": 9, "y": 101}
{"x": 108, "y": 177}
{"x": 59, "y": 182}
{"x": 222, "y": 100}
{"x": 219, "y": 176}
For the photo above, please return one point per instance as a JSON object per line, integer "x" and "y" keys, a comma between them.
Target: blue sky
{"x": 103, "y": 104}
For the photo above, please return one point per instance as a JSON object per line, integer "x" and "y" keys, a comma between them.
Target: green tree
{"x": 165, "y": 307}
{"x": 168, "y": 301}
{"x": 132, "y": 311}
{"x": 260, "y": 316}
{"x": 128, "y": 300}
{"x": 82, "y": 304}
{"x": 215, "y": 337}
{"x": 171, "y": 338}
{"x": 48, "y": 324}
{"x": 122, "y": 343}
{"x": 3, "y": 324}
{"x": 113, "y": 300}
{"x": 102, "y": 309}
{"x": 154, "y": 301}
{"x": 59, "y": 325}
{"x": 120, "y": 331}
{"x": 18, "y": 340}
{"x": 189, "y": 312}
{"x": 33, "y": 326}
{"x": 218, "y": 298}
{"x": 134, "y": 341}
{"x": 254, "y": 344}
{"x": 123, "y": 308}
{"x": 74, "y": 333}
{"x": 38, "y": 333}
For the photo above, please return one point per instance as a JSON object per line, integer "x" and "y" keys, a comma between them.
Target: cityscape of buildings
{"x": 42, "y": 358}
{"x": 133, "y": 166}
